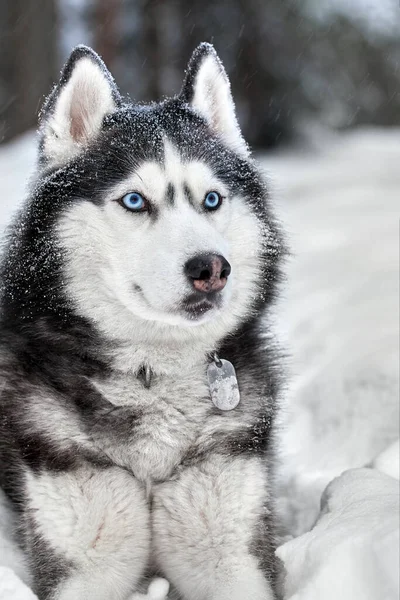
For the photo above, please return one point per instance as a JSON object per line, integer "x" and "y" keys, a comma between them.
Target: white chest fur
{"x": 158, "y": 425}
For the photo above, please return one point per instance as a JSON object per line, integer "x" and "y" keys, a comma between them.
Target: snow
{"x": 11, "y": 556}
{"x": 340, "y": 314}
{"x": 339, "y": 201}
{"x": 16, "y": 165}
{"x": 388, "y": 461}
{"x": 12, "y": 588}
{"x": 158, "y": 590}
{"x": 353, "y": 551}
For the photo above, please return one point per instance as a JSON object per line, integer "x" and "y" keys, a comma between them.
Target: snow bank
{"x": 157, "y": 590}
{"x": 12, "y": 588}
{"x": 13, "y": 570}
{"x": 17, "y": 160}
{"x": 352, "y": 553}
{"x": 339, "y": 311}
{"x": 389, "y": 460}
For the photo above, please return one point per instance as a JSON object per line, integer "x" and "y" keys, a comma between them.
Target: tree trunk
{"x": 106, "y": 13}
{"x": 152, "y": 49}
{"x": 29, "y": 68}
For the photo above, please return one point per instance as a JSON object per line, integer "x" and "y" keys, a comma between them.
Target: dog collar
{"x": 222, "y": 381}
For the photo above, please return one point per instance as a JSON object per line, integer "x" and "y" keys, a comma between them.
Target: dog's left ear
{"x": 207, "y": 89}
{"x": 73, "y": 114}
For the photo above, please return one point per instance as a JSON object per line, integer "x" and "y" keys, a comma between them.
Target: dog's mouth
{"x": 197, "y": 305}
{"x": 194, "y": 308}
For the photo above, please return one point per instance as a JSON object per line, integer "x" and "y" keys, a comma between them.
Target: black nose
{"x": 208, "y": 272}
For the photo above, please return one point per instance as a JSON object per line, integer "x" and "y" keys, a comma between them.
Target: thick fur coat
{"x": 118, "y": 464}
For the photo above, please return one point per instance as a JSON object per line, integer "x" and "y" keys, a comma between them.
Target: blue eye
{"x": 212, "y": 201}
{"x": 134, "y": 202}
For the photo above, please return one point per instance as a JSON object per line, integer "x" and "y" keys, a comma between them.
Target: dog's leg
{"x": 87, "y": 533}
{"x": 210, "y": 534}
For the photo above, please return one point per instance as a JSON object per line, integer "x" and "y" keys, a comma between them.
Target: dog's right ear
{"x": 73, "y": 114}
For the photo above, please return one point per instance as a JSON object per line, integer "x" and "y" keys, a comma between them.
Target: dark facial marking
{"x": 153, "y": 213}
{"x": 170, "y": 194}
{"x": 189, "y": 196}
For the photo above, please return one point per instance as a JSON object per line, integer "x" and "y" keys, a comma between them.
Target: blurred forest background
{"x": 334, "y": 62}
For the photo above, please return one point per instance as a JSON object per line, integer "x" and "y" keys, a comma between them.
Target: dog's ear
{"x": 73, "y": 114}
{"x": 207, "y": 89}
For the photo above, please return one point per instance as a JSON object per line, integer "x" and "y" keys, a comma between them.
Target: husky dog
{"x": 145, "y": 256}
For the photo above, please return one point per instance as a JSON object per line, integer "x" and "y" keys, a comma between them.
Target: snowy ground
{"x": 340, "y": 203}
{"x": 341, "y": 206}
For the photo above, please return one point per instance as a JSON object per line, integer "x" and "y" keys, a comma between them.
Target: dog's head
{"x": 161, "y": 216}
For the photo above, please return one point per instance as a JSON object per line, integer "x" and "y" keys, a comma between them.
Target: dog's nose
{"x": 208, "y": 272}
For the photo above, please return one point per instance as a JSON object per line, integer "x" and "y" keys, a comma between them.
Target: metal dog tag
{"x": 223, "y": 384}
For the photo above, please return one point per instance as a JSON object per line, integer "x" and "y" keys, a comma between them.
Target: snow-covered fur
{"x": 117, "y": 462}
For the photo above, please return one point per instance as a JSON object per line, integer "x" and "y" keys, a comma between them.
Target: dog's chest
{"x": 149, "y": 430}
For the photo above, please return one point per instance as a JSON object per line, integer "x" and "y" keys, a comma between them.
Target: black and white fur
{"x": 114, "y": 481}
